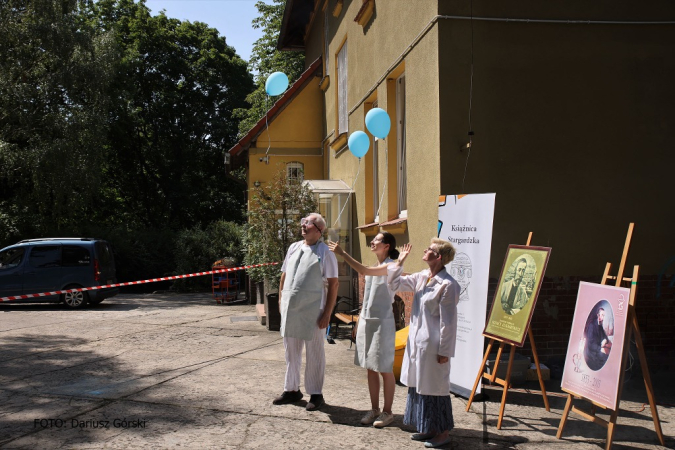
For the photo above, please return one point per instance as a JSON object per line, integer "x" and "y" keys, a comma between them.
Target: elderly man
{"x": 306, "y": 306}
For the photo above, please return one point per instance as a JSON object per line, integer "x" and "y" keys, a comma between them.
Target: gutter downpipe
{"x": 435, "y": 19}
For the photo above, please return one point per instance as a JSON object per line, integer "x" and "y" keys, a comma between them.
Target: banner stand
{"x": 632, "y": 328}
{"x": 506, "y": 383}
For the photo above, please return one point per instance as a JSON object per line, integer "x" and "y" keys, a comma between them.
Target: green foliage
{"x": 265, "y": 60}
{"x": 54, "y": 71}
{"x": 140, "y": 253}
{"x": 197, "y": 249}
{"x": 113, "y": 124}
{"x": 274, "y": 224}
{"x": 177, "y": 85}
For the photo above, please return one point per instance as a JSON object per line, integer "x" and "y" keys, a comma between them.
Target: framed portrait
{"x": 595, "y": 350}
{"x": 516, "y": 294}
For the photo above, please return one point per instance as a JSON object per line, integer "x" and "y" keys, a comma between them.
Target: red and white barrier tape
{"x": 129, "y": 283}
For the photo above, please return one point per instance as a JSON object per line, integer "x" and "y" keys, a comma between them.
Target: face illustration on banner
{"x": 518, "y": 285}
{"x": 598, "y": 335}
{"x": 461, "y": 270}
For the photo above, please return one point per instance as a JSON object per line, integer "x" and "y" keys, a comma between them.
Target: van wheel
{"x": 75, "y": 300}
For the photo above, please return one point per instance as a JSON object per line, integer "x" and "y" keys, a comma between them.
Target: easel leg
{"x": 480, "y": 374}
{"x": 610, "y": 428}
{"x": 507, "y": 383}
{"x": 499, "y": 358}
{"x": 565, "y": 413}
{"x": 648, "y": 381}
{"x": 536, "y": 363}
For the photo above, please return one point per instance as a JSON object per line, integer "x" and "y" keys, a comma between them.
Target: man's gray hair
{"x": 319, "y": 221}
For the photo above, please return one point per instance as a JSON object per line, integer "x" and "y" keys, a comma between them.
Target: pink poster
{"x": 595, "y": 349}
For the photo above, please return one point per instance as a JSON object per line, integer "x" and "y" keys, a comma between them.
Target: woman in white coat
{"x": 376, "y": 329}
{"x": 431, "y": 344}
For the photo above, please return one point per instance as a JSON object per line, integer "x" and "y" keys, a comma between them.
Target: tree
{"x": 55, "y": 67}
{"x": 267, "y": 59}
{"x": 177, "y": 86}
{"x": 274, "y": 223}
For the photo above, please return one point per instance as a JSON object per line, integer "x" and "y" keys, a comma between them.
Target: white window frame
{"x": 295, "y": 171}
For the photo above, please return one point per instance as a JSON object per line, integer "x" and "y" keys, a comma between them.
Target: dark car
{"x": 53, "y": 264}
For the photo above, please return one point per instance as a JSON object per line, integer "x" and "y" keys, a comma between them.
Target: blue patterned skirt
{"x": 428, "y": 413}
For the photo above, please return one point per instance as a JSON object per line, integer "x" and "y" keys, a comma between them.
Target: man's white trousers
{"x": 315, "y": 362}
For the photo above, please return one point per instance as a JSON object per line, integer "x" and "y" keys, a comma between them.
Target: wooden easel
{"x": 506, "y": 383}
{"x": 632, "y": 326}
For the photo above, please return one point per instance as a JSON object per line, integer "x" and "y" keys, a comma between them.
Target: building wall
{"x": 372, "y": 50}
{"x": 294, "y": 135}
{"x": 572, "y": 132}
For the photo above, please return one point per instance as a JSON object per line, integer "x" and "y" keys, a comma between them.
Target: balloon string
{"x": 267, "y": 128}
{"x": 384, "y": 188}
{"x": 358, "y": 170}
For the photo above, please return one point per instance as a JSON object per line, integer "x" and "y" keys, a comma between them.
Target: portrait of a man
{"x": 514, "y": 294}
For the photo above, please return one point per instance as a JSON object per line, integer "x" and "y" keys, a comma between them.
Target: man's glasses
{"x": 429, "y": 249}
{"x": 306, "y": 223}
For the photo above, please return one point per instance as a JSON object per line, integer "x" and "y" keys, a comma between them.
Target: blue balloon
{"x": 358, "y": 142}
{"x": 276, "y": 83}
{"x": 378, "y": 122}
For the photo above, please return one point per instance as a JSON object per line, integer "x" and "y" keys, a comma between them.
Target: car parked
{"x": 53, "y": 264}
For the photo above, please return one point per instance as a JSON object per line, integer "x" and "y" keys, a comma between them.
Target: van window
{"x": 44, "y": 256}
{"x": 75, "y": 256}
{"x": 11, "y": 257}
{"x": 104, "y": 253}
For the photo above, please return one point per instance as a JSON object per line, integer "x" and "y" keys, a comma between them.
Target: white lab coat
{"x": 376, "y": 329}
{"x": 433, "y": 330}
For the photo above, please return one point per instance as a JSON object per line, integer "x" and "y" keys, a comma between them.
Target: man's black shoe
{"x": 315, "y": 402}
{"x": 288, "y": 397}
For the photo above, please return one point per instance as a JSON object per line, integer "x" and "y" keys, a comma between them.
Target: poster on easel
{"x": 466, "y": 221}
{"x": 595, "y": 349}
{"x": 517, "y": 293}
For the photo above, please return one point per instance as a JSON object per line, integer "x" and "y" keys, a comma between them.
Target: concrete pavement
{"x": 180, "y": 371}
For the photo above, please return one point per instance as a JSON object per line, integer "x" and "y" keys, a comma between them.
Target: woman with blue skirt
{"x": 430, "y": 345}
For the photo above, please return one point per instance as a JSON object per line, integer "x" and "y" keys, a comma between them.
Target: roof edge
{"x": 245, "y": 142}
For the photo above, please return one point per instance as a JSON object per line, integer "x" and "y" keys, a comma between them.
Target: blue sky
{"x": 232, "y": 18}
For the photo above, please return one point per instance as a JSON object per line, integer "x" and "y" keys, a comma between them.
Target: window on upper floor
{"x": 401, "y": 148}
{"x": 341, "y": 68}
{"x": 295, "y": 171}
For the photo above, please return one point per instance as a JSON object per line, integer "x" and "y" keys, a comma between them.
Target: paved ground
{"x": 180, "y": 371}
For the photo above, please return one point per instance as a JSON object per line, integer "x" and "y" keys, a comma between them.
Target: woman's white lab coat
{"x": 433, "y": 330}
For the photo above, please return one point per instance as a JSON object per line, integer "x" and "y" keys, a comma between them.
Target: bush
{"x": 197, "y": 249}
{"x": 274, "y": 224}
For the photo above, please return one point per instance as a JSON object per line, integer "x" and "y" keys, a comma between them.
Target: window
{"x": 342, "y": 89}
{"x": 326, "y": 41}
{"x": 75, "y": 256}
{"x": 45, "y": 256}
{"x": 104, "y": 253}
{"x": 11, "y": 258}
{"x": 295, "y": 171}
{"x": 400, "y": 148}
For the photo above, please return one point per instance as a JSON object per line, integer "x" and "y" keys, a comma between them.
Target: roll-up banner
{"x": 466, "y": 221}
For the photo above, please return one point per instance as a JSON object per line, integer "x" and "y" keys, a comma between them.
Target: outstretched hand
{"x": 335, "y": 248}
{"x": 404, "y": 252}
